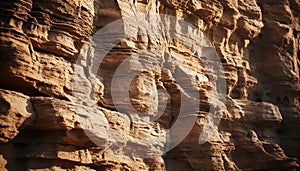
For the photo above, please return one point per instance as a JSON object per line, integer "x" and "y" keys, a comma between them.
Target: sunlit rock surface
{"x": 50, "y": 96}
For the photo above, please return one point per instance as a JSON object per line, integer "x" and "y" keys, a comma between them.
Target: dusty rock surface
{"x": 56, "y": 113}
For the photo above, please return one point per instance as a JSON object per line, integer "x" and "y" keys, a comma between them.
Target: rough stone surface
{"x": 16, "y": 109}
{"x": 44, "y": 127}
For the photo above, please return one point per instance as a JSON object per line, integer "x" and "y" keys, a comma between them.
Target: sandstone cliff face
{"x": 47, "y": 47}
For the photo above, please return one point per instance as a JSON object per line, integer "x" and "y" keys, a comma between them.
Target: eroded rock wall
{"x": 257, "y": 42}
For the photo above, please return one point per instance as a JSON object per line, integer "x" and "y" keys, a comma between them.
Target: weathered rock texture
{"x": 257, "y": 41}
